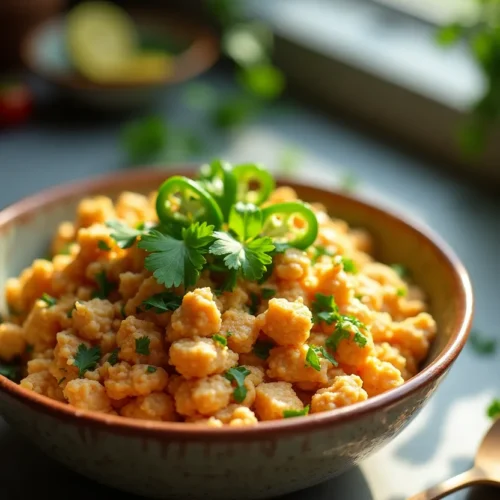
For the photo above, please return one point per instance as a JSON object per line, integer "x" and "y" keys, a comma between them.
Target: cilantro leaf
{"x": 494, "y": 409}
{"x": 69, "y": 314}
{"x": 11, "y": 371}
{"x": 268, "y": 293}
{"x": 333, "y": 341}
{"x": 142, "y": 345}
{"x": 238, "y": 374}
{"x": 50, "y": 301}
{"x": 481, "y": 344}
{"x": 328, "y": 356}
{"x": 296, "y": 413}
{"x": 86, "y": 358}
{"x": 324, "y": 309}
{"x": 151, "y": 369}
{"x": 254, "y": 303}
{"x": 348, "y": 264}
{"x": 312, "y": 358}
{"x": 174, "y": 262}
{"x": 401, "y": 292}
{"x": 113, "y": 357}
{"x": 401, "y": 270}
{"x": 220, "y": 339}
{"x": 124, "y": 235}
{"x": 261, "y": 349}
{"x": 162, "y": 302}
{"x": 251, "y": 258}
{"x": 245, "y": 220}
{"x": 104, "y": 286}
{"x": 319, "y": 251}
{"x": 102, "y": 245}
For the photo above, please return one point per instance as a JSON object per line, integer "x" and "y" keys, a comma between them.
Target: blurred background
{"x": 396, "y": 100}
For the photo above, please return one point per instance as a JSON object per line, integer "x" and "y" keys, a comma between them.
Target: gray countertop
{"x": 442, "y": 439}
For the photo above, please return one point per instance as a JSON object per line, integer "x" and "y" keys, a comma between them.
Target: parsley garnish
{"x": 124, "y": 235}
{"x": 102, "y": 245}
{"x": 87, "y": 358}
{"x": 151, "y": 369}
{"x": 244, "y": 252}
{"x": 50, "y": 301}
{"x": 220, "y": 339}
{"x": 162, "y": 302}
{"x": 261, "y": 349}
{"x": 122, "y": 311}
{"x": 482, "y": 344}
{"x": 401, "y": 292}
{"x": 174, "y": 262}
{"x": 494, "y": 409}
{"x": 325, "y": 309}
{"x": 104, "y": 286}
{"x": 69, "y": 314}
{"x": 268, "y": 293}
{"x": 319, "y": 251}
{"x": 238, "y": 375}
{"x": 113, "y": 357}
{"x": 296, "y": 413}
{"x": 348, "y": 264}
{"x": 142, "y": 345}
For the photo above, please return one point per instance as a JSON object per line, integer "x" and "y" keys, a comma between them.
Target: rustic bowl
{"x": 181, "y": 461}
{"x": 195, "y": 49}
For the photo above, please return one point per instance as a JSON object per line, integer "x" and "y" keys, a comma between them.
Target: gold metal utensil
{"x": 486, "y": 469}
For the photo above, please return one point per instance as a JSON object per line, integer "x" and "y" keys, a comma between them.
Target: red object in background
{"x": 16, "y": 104}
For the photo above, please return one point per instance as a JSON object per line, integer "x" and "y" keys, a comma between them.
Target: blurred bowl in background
{"x": 194, "y": 49}
{"x": 17, "y": 18}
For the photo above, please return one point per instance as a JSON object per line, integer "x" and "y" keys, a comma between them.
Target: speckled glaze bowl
{"x": 181, "y": 461}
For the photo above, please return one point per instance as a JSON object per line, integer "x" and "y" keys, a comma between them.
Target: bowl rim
{"x": 200, "y": 55}
{"x": 180, "y": 431}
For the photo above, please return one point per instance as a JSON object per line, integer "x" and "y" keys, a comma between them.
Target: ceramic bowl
{"x": 194, "y": 48}
{"x": 181, "y": 461}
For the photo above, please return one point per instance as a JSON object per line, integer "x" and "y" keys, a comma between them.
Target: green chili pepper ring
{"x": 284, "y": 213}
{"x": 251, "y": 172}
{"x": 196, "y": 204}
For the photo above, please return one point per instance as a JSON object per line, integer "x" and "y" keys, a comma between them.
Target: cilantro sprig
{"x": 177, "y": 261}
{"x": 104, "y": 286}
{"x": 261, "y": 349}
{"x": 162, "y": 302}
{"x": 242, "y": 248}
{"x": 49, "y": 300}
{"x": 325, "y": 309}
{"x": 142, "y": 345}
{"x": 237, "y": 375}
{"x": 125, "y": 236}
{"x": 313, "y": 357}
{"x": 494, "y": 409}
{"x": 86, "y": 358}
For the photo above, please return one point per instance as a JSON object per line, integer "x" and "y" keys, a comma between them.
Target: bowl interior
{"x": 27, "y": 228}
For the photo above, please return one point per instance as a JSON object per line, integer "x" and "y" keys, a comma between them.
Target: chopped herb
{"x": 220, "y": 339}
{"x": 401, "y": 270}
{"x": 124, "y": 235}
{"x": 261, "y": 349}
{"x": 113, "y": 357}
{"x": 102, "y": 245}
{"x": 254, "y": 303}
{"x": 325, "y": 309}
{"x": 162, "y": 302}
{"x": 328, "y": 356}
{"x": 349, "y": 265}
{"x": 87, "y": 358}
{"x": 312, "y": 358}
{"x": 61, "y": 380}
{"x": 142, "y": 345}
{"x": 482, "y": 344}
{"x": 11, "y": 371}
{"x": 238, "y": 375}
{"x": 69, "y": 314}
{"x": 229, "y": 334}
{"x": 151, "y": 369}
{"x": 401, "y": 292}
{"x": 122, "y": 311}
{"x": 104, "y": 286}
{"x": 29, "y": 348}
{"x": 494, "y": 409}
{"x": 174, "y": 262}
{"x": 268, "y": 293}
{"x": 359, "y": 296}
{"x": 296, "y": 413}
{"x": 319, "y": 251}
{"x": 50, "y": 301}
